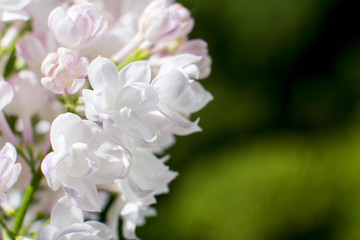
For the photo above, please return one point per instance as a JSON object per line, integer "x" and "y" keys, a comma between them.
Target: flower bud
{"x": 187, "y": 22}
{"x": 160, "y": 22}
{"x": 9, "y": 170}
{"x": 76, "y": 26}
{"x": 64, "y": 72}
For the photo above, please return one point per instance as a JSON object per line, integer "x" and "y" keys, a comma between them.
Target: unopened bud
{"x": 76, "y": 26}
{"x": 64, "y": 72}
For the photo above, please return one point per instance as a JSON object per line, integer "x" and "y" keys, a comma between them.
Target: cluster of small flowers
{"x": 105, "y": 85}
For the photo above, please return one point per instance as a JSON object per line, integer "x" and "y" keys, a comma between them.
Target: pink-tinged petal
{"x": 196, "y": 47}
{"x": 48, "y": 65}
{"x": 48, "y": 83}
{"x": 76, "y": 86}
{"x": 55, "y": 17}
{"x": 64, "y": 214}
{"x": 82, "y": 67}
{"x": 64, "y": 72}
{"x": 103, "y": 74}
{"x": 77, "y": 25}
{"x": 135, "y": 72}
{"x": 67, "y": 33}
{"x": 162, "y": 23}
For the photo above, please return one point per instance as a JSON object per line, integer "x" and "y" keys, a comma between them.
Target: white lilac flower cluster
{"x": 91, "y": 94}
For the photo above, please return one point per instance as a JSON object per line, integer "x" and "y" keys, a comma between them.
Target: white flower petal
{"x": 103, "y": 74}
{"x": 48, "y": 232}
{"x": 65, "y": 214}
{"x": 135, "y": 72}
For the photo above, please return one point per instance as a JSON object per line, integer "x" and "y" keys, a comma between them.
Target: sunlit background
{"x": 279, "y": 155}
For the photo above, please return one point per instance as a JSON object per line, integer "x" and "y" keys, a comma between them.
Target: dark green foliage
{"x": 279, "y": 157}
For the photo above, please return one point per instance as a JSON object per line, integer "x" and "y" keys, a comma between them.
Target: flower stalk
{"x": 28, "y": 198}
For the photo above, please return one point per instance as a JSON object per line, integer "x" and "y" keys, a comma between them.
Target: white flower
{"x": 67, "y": 223}
{"x": 9, "y": 170}
{"x": 76, "y": 26}
{"x": 187, "y": 22}
{"x": 124, "y": 100}
{"x": 161, "y": 22}
{"x": 12, "y": 10}
{"x": 64, "y": 71}
{"x": 180, "y": 97}
{"x": 198, "y": 47}
{"x": 83, "y": 156}
{"x": 148, "y": 176}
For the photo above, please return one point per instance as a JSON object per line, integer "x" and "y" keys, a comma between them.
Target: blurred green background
{"x": 279, "y": 157}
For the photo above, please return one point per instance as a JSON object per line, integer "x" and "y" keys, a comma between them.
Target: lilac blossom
{"x": 163, "y": 22}
{"x": 83, "y": 156}
{"x": 126, "y": 117}
{"x": 124, "y": 100}
{"x": 148, "y": 177}
{"x": 67, "y": 222}
{"x": 180, "y": 97}
{"x": 77, "y": 25}
{"x": 9, "y": 170}
{"x": 64, "y": 71}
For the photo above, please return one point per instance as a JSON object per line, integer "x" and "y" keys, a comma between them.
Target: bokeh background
{"x": 279, "y": 155}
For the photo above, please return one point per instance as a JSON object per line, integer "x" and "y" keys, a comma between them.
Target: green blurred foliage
{"x": 279, "y": 155}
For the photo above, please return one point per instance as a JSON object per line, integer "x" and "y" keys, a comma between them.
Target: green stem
{"x": 29, "y": 195}
{"x": 8, "y": 231}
